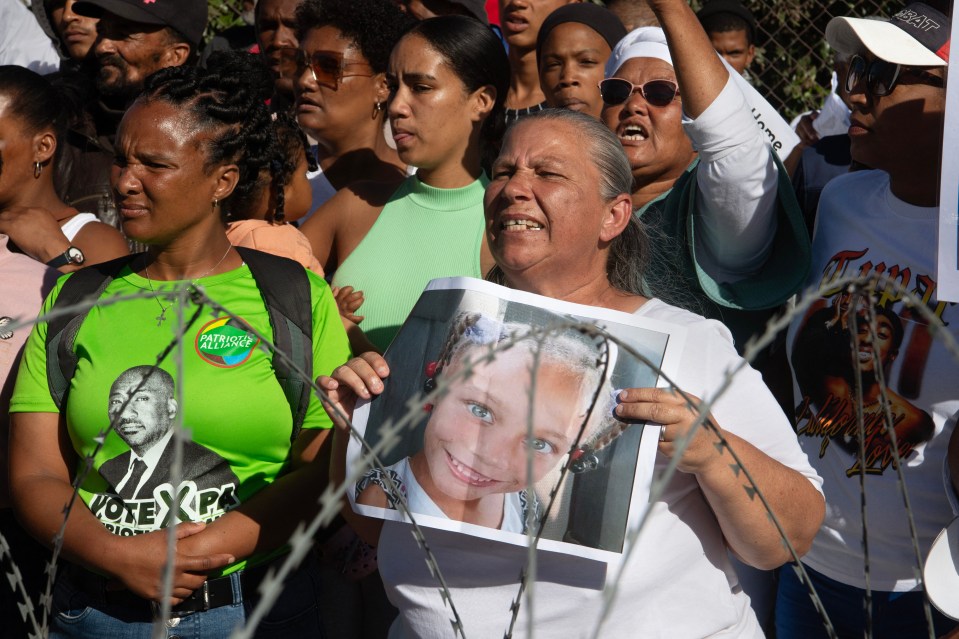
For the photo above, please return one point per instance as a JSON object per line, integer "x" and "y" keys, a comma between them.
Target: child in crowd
{"x": 476, "y": 443}
{"x": 285, "y": 196}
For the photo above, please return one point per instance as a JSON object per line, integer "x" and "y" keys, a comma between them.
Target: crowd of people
{"x": 301, "y": 179}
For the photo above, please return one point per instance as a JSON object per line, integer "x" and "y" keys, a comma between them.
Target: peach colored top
{"x": 284, "y": 240}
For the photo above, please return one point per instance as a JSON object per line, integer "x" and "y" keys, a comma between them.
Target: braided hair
{"x": 291, "y": 145}
{"x": 582, "y": 354}
{"x": 228, "y": 100}
{"x": 591, "y": 358}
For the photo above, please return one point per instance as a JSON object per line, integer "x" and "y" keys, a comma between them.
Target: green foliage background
{"x": 223, "y": 15}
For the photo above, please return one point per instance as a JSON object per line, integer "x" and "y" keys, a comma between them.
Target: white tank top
{"x": 73, "y": 225}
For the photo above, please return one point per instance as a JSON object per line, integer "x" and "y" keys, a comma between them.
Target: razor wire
{"x": 46, "y": 599}
{"x": 332, "y": 498}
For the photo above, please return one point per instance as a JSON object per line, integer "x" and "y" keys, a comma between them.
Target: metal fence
{"x": 793, "y": 64}
{"x": 223, "y": 14}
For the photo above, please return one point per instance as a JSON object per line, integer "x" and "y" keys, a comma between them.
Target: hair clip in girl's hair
{"x": 430, "y": 383}
{"x": 485, "y": 330}
{"x": 582, "y": 460}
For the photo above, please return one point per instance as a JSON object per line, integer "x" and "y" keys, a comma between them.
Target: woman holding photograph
{"x": 566, "y": 179}
{"x": 448, "y": 78}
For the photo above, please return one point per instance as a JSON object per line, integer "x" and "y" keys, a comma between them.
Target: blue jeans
{"x": 295, "y": 613}
{"x": 895, "y": 615}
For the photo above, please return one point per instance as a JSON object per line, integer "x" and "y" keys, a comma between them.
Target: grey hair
{"x": 629, "y": 251}
{"x": 615, "y": 174}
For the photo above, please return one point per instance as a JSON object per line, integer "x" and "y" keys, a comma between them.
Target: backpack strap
{"x": 285, "y": 288}
{"x": 87, "y": 284}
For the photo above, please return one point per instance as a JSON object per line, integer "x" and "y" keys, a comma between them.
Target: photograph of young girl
{"x": 518, "y": 395}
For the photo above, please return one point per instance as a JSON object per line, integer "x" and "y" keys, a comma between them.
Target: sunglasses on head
{"x": 881, "y": 76}
{"x": 327, "y": 67}
{"x": 658, "y": 93}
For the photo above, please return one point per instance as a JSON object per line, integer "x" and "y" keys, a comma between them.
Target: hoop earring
{"x": 216, "y": 203}
{"x": 37, "y": 170}
{"x": 377, "y": 109}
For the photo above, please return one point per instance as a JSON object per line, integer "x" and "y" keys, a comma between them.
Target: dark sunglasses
{"x": 881, "y": 76}
{"x": 658, "y": 93}
{"x": 327, "y": 67}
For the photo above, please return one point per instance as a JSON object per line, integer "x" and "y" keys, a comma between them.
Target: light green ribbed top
{"x": 422, "y": 233}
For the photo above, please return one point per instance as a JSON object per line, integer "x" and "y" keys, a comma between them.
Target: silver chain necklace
{"x": 163, "y": 309}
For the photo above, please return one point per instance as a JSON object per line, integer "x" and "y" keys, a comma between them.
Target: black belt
{"x": 214, "y": 593}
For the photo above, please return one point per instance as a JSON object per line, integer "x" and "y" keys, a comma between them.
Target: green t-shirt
{"x": 228, "y": 398}
{"x": 422, "y": 233}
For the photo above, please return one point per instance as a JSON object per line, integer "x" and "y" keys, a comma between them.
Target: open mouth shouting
{"x": 633, "y": 133}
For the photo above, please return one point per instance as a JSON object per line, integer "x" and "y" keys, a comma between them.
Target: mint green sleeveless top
{"x": 422, "y": 233}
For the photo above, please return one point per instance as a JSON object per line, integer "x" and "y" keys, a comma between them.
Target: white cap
{"x": 644, "y": 42}
{"x": 941, "y": 572}
{"x": 885, "y": 40}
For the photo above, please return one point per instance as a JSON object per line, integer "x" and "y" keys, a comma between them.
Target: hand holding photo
{"x": 523, "y": 409}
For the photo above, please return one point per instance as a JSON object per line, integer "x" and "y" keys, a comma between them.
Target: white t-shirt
{"x": 863, "y": 228}
{"x": 677, "y": 583}
{"x": 22, "y": 40}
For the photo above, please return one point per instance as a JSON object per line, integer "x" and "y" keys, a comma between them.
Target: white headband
{"x": 644, "y": 42}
